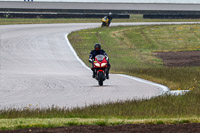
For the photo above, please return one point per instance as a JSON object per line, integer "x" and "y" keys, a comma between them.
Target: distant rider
{"x": 109, "y": 17}
{"x": 98, "y": 51}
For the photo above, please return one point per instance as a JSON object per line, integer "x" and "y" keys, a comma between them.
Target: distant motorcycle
{"x": 105, "y": 22}
{"x": 100, "y": 67}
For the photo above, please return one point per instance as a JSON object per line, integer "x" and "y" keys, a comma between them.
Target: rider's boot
{"x": 93, "y": 76}
{"x": 107, "y": 76}
{"x": 107, "y": 72}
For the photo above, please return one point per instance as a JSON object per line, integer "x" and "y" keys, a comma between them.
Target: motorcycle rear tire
{"x": 101, "y": 75}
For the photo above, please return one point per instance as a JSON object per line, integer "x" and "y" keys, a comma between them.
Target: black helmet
{"x": 97, "y": 46}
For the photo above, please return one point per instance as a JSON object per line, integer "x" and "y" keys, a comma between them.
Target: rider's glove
{"x": 90, "y": 60}
{"x": 107, "y": 58}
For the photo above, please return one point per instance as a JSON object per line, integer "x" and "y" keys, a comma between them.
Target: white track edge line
{"x": 164, "y": 88}
{"x": 74, "y": 52}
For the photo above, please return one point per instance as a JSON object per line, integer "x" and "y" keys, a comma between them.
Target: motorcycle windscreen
{"x": 100, "y": 57}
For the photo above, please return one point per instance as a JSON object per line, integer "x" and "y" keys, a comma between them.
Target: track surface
{"x": 101, "y": 6}
{"x": 38, "y": 67}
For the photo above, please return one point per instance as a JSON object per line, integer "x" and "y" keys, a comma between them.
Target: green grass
{"x": 131, "y": 51}
{"x": 22, "y": 123}
{"x": 6, "y": 21}
{"x": 133, "y": 18}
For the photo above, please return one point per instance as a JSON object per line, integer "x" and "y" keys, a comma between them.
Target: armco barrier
{"x": 171, "y": 16}
{"x": 56, "y": 15}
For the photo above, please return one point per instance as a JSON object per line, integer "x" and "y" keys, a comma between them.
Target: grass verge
{"x": 168, "y": 106}
{"x": 21, "y": 123}
{"x": 131, "y": 50}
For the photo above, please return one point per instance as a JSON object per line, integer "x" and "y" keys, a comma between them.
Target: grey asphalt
{"x": 38, "y": 67}
{"x": 101, "y": 6}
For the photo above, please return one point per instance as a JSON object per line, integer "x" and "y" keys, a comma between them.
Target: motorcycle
{"x": 100, "y": 65}
{"x": 105, "y": 22}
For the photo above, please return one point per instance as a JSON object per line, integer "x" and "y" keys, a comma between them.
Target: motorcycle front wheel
{"x": 101, "y": 78}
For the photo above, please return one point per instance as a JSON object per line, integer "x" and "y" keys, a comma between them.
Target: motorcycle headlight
{"x": 103, "y": 64}
{"x": 97, "y": 64}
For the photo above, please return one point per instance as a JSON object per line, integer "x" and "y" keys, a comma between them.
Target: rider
{"x": 98, "y": 51}
{"x": 109, "y": 17}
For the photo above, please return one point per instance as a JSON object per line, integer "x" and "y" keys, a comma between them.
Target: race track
{"x": 38, "y": 67}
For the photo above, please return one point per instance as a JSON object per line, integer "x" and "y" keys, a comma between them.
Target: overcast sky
{"x": 121, "y": 1}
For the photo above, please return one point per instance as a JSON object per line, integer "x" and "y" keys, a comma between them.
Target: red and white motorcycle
{"x": 100, "y": 67}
